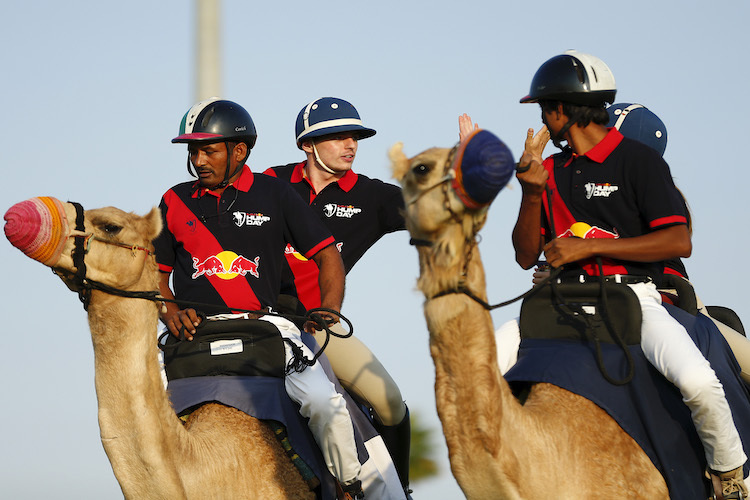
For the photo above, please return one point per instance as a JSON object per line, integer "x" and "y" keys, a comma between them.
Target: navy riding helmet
{"x": 329, "y": 115}
{"x": 640, "y": 123}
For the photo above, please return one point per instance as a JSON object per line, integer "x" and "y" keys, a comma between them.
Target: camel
{"x": 557, "y": 444}
{"x": 220, "y": 452}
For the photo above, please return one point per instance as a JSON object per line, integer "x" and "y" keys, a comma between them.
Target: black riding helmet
{"x": 216, "y": 120}
{"x": 573, "y": 77}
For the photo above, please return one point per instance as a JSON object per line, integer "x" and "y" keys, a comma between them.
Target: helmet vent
{"x": 207, "y": 117}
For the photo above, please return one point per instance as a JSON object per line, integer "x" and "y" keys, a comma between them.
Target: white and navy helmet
{"x": 638, "y": 122}
{"x": 217, "y": 120}
{"x": 573, "y": 77}
{"x": 329, "y": 115}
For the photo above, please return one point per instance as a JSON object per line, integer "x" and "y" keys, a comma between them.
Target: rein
{"x": 461, "y": 289}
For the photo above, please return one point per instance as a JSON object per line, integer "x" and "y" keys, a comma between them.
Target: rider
{"x": 625, "y": 189}
{"x": 640, "y": 123}
{"x": 231, "y": 215}
{"x": 358, "y": 211}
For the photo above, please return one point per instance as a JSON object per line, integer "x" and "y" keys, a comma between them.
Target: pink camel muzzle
{"x": 39, "y": 228}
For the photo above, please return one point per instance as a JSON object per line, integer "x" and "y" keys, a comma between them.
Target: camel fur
{"x": 558, "y": 444}
{"x": 220, "y": 453}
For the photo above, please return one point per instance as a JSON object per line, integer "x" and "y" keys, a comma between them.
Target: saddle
{"x": 583, "y": 312}
{"x": 679, "y": 292}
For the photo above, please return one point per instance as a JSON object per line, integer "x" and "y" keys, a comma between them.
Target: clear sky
{"x": 94, "y": 91}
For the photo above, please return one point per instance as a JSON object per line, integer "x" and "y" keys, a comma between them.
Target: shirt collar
{"x": 602, "y": 150}
{"x": 242, "y": 183}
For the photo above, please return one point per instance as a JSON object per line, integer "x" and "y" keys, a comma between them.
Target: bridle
{"x": 470, "y": 242}
{"x": 449, "y": 173}
{"x": 81, "y": 246}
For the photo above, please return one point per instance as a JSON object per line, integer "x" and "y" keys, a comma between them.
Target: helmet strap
{"x": 227, "y": 175}
{"x": 320, "y": 162}
{"x": 190, "y": 168}
{"x": 560, "y": 136}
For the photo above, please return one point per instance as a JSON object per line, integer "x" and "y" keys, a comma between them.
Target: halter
{"x": 81, "y": 247}
{"x": 448, "y": 175}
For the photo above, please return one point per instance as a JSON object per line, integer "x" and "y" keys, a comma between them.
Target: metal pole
{"x": 208, "y": 49}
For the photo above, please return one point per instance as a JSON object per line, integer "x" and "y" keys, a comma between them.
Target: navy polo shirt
{"x": 356, "y": 209}
{"x": 620, "y": 188}
{"x": 228, "y": 250}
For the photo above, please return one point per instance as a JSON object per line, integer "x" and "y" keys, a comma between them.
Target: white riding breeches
{"x": 329, "y": 419}
{"x": 669, "y": 348}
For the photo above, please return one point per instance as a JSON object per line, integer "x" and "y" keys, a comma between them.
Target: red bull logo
{"x": 290, "y": 250}
{"x": 585, "y": 231}
{"x": 226, "y": 265}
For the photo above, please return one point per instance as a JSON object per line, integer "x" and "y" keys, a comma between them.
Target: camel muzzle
{"x": 483, "y": 165}
{"x": 39, "y": 228}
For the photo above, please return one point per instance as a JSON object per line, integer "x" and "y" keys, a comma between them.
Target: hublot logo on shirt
{"x": 599, "y": 190}
{"x": 246, "y": 219}
{"x": 331, "y": 210}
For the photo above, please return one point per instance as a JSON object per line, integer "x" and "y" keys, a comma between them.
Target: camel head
{"x": 117, "y": 244}
{"x": 445, "y": 187}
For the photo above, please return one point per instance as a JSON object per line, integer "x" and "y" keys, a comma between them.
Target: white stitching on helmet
{"x": 624, "y": 113}
{"x": 327, "y": 124}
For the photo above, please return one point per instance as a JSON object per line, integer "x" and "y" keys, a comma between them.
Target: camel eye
{"x": 111, "y": 229}
{"x": 420, "y": 169}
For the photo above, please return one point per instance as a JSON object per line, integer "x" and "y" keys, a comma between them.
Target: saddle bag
{"x": 576, "y": 311}
{"x": 239, "y": 347}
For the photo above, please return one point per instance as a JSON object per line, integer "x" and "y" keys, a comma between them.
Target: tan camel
{"x": 557, "y": 444}
{"x": 220, "y": 452}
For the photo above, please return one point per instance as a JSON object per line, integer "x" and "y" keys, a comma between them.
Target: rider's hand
{"x": 186, "y": 318}
{"x": 534, "y": 178}
{"x": 465, "y": 127}
{"x": 541, "y": 272}
{"x": 312, "y": 326}
{"x": 535, "y": 144}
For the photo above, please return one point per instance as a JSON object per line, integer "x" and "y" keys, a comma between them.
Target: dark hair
{"x": 576, "y": 113}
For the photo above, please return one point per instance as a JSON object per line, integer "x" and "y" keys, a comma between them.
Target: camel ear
{"x": 154, "y": 223}
{"x": 399, "y": 161}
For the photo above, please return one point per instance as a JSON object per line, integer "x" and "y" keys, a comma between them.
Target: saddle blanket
{"x": 266, "y": 399}
{"x": 649, "y": 408}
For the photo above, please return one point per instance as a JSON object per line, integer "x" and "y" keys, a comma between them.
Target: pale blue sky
{"x": 94, "y": 91}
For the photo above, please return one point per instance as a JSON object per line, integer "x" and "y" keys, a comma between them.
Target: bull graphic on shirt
{"x": 226, "y": 265}
{"x": 585, "y": 231}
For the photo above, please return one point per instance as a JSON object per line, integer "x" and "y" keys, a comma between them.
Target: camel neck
{"x": 462, "y": 344}
{"x": 139, "y": 429}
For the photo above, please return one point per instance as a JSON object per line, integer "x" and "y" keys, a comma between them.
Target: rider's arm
{"x": 174, "y": 317}
{"x": 331, "y": 277}
{"x": 527, "y": 233}
{"x": 656, "y": 246}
